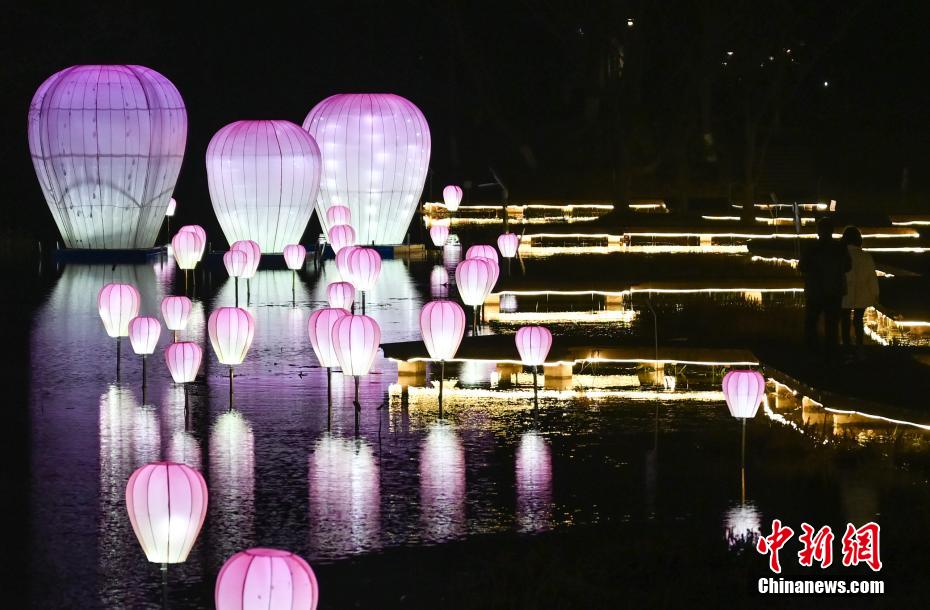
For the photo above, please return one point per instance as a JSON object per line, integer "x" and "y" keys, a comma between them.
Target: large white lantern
{"x": 263, "y": 178}
{"x": 107, "y": 144}
{"x": 376, "y": 149}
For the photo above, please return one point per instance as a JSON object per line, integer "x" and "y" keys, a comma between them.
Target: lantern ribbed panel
{"x": 482, "y": 251}
{"x": 264, "y": 177}
{"x": 342, "y": 263}
{"x": 341, "y": 236}
{"x": 364, "y": 267}
{"x": 118, "y": 304}
{"x": 183, "y": 360}
{"x": 253, "y": 253}
{"x": 452, "y": 197}
{"x": 533, "y": 343}
{"x": 743, "y": 391}
{"x": 176, "y": 311}
{"x": 320, "y": 330}
{"x": 442, "y": 324}
{"x": 338, "y": 215}
{"x": 144, "y": 332}
{"x": 266, "y": 579}
{"x": 294, "y": 256}
{"x": 107, "y": 144}
{"x": 439, "y": 234}
{"x": 475, "y": 279}
{"x": 167, "y": 503}
{"x": 201, "y": 232}
{"x": 231, "y": 330}
{"x": 376, "y": 150}
{"x": 186, "y": 246}
{"x": 340, "y": 295}
{"x": 236, "y": 263}
{"x": 356, "y": 340}
{"x": 508, "y": 243}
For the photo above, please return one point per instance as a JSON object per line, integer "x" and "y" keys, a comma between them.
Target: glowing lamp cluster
{"x": 376, "y": 149}
{"x": 341, "y": 236}
{"x": 231, "y": 330}
{"x": 340, "y": 295}
{"x": 264, "y": 177}
{"x": 439, "y": 234}
{"x": 167, "y": 503}
{"x": 452, "y": 197}
{"x": 107, "y": 143}
{"x": 364, "y": 265}
{"x": 482, "y": 251}
{"x": 533, "y": 344}
{"x": 355, "y": 340}
{"x": 183, "y": 360}
{"x": 338, "y": 215}
{"x": 266, "y": 579}
{"x": 475, "y": 278}
{"x": 118, "y": 304}
{"x": 176, "y": 311}
{"x": 442, "y": 325}
{"x": 320, "y": 330}
{"x": 508, "y": 243}
{"x": 253, "y": 255}
{"x": 743, "y": 391}
{"x": 144, "y": 332}
{"x": 294, "y": 256}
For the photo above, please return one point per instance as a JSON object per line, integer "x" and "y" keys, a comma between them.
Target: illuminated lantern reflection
{"x": 176, "y": 312}
{"x": 439, "y": 282}
{"x": 266, "y": 579}
{"x": 508, "y": 243}
{"x": 451, "y": 256}
{"x": 439, "y": 234}
{"x": 338, "y": 215}
{"x": 481, "y": 251}
{"x": 452, "y": 197}
{"x": 742, "y": 526}
{"x": 341, "y": 295}
{"x": 534, "y": 483}
{"x": 442, "y": 484}
{"x": 341, "y": 236}
{"x": 232, "y": 483}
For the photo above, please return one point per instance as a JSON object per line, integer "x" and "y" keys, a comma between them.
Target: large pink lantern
{"x": 356, "y": 340}
{"x": 320, "y": 330}
{"x": 342, "y": 262}
{"x": 475, "y": 278}
{"x": 743, "y": 391}
{"x": 533, "y": 343}
{"x": 107, "y": 143}
{"x": 482, "y": 251}
{"x": 176, "y": 311}
{"x": 341, "y": 295}
{"x": 144, "y": 332}
{"x": 294, "y": 256}
{"x": 341, "y": 236}
{"x": 167, "y": 503}
{"x": 254, "y": 254}
{"x": 201, "y": 233}
{"x": 264, "y": 177}
{"x": 118, "y": 304}
{"x": 508, "y": 243}
{"x": 376, "y": 148}
{"x": 439, "y": 234}
{"x": 452, "y": 197}
{"x": 186, "y": 246}
{"x": 183, "y": 360}
{"x": 266, "y": 579}
{"x": 231, "y": 330}
{"x": 338, "y": 215}
{"x": 364, "y": 268}
{"x": 442, "y": 324}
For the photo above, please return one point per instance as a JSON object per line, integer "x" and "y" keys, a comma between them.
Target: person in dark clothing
{"x": 824, "y": 265}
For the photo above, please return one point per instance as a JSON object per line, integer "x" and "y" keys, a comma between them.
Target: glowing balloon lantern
{"x": 452, "y": 197}
{"x": 266, "y": 579}
{"x": 743, "y": 391}
{"x": 442, "y": 324}
{"x": 186, "y": 246}
{"x": 253, "y": 253}
{"x": 107, "y": 142}
{"x": 231, "y": 330}
{"x": 183, "y": 360}
{"x": 482, "y": 251}
{"x": 236, "y": 263}
{"x": 508, "y": 243}
{"x": 338, "y": 215}
{"x": 144, "y": 332}
{"x": 377, "y": 149}
{"x": 439, "y": 234}
{"x": 364, "y": 269}
{"x": 176, "y": 311}
{"x": 201, "y": 233}
{"x": 294, "y": 256}
{"x": 356, "y": 339}
{"x": 320, "y": 330}
{"x": 342, "y": 262}
{"x": 167, "y": 503}
{"x": 475, "y": 278}
{"x": 264, "y": 177}
{"x": 172, "y": 207}
{"x": 118, "y": 304}
{"x": 341, "y": 295}
{"x": 341, "y": 236}
{"x": 533, "y": 343}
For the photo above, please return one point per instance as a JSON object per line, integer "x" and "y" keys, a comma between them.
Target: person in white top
{"x": 861, "y": 287}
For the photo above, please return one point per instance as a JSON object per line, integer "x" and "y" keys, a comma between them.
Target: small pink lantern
{"x": 482, "y": 251}
{"x": 172, "y": 207}
{"x": 743, "y": 391}
{"x": 341, "y": 295}
{"x": 231, "y": 330}
{"x": 320, "y": 330}
{"x": 144, "y": 332}
{"x": 508, "y": 243}
{"x": 442, "y": 324}
{"x": 176, "y": 311}
{"x": 183, "y": 359}
{"x": 253, "y": 253}
{"x": 118, "y": 304}
{"x": 294, "y": 256}
{"x": 341, "y": 236}
{"x": 186, "y": 247}
{"x": 356, "y": 340}
{"x": 475, "y": 278}
{"x": 338, "y": 215}
{"x": 201, "y": 233}
{"x": 439, "y": 234}
{"x": 266, "y": 579}
{"x": 342, "y": 262}
{"x": 236, "y": 263}
{"x": 452, "y": 197}
{"x": 533, "y": 343}
{"x": 167, "y": 503}
{"x": 364, "y": 269}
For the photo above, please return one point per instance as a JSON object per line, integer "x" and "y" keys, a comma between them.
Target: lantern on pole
{"x": 266, "y": 579}
{"x": 341, "y": 236}
{"x": 452, "y": 197}
{"x": 118, "y": 304}
{"x": 439, "y": 234}
{"x": 482, "y": 251}
{"x": 364, "y": 268}
{"x": 341, "y": 295}
{"x": 508, "y": 244}
{"x": 320, "y": 331}
{"x": 183, "y": 360}
{"x": 169, "y": 213}
{"x": 237, "y": 265}
{"x": 475, "y": 279}
{"x": 743, "y": 391}
{"x": 533, "y": 344}
{"x": 356, "y": 340}
{"x": 231, "y": 330}
{"x": 342, "y": 263}
{"x": 253, "y": 254}
{"x": 186, "y": 248}
{"x": 338, "y": 215}
{"x": 201, "y": 233}
{"x": 144, "y": 332}
{"x": 176, "y": 311}
{"x": 294, "y": 256}
{"x": 442, "y": 325}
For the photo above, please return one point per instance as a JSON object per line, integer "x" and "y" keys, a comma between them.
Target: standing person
{"x": 861, "y": 287}
{"x": 824, "y": 265}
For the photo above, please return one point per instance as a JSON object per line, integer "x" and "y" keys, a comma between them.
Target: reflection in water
{"x": 442, "y": 484}
{"x": 232, "y": 485}
{"x": 439, "y": 282}
{"x": 345, "y": 498}
{"x": 534, "y": 483}
{"x": 451, "y": 257}
{"x": 742, "y": 526}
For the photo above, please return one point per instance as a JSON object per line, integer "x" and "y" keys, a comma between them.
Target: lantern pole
{"x": 329, "y": 398}
{"x": 442, "y": 374}
{"x": 743, "y": 463}
{"x": 293, "y": 289}
{"x": 363, "y": 302}
{"x": 185, "y": 281}
{"x": 535, "y": 391}
{"x": 164, "y": 585}
{"x": 358, "y": 406}
{"x": 237, "y": 290}
{"x": 118, "y": 350}
{"x": 230, "y": 388}
{"x": 248, "y": 292}
{"x": 143, "y": 376}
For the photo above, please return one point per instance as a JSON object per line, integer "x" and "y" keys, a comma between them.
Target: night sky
{"x": 562, "y": 99}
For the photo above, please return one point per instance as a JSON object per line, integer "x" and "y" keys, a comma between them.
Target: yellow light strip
{"x": 911, "y": 223}
{"x": 422, "y": 391}
{"x": 711, "y": 234}
{"x": 586, "y": 360}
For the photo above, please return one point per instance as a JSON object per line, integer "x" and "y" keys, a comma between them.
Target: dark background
{"x": 562, "y": 99}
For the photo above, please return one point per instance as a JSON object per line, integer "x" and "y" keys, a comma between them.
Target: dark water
{"x": 279, "y": 475}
